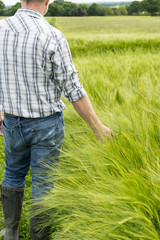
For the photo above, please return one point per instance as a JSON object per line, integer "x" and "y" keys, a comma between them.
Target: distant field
{"x": 109, "y": 191}
{"x": 107, "y": 27}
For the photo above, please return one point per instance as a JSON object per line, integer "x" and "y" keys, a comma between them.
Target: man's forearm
{"x": 84, "y": 108}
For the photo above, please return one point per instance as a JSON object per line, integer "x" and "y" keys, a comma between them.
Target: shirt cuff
{"x": 76, "y": 94}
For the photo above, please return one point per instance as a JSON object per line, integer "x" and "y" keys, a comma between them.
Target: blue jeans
{"x": 32, "y": 142}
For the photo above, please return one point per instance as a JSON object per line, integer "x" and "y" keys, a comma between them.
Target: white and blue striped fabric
{"x": 36, "y": 67}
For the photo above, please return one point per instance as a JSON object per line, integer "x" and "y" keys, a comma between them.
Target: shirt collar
{"x": 29, "y": 12}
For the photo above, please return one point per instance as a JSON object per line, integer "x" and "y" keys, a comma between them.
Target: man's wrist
{"x": 95, "y": 124}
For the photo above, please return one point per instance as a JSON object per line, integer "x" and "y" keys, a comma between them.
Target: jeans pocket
{"x": 8, "y": 137}
{"x": 47, "y": 136}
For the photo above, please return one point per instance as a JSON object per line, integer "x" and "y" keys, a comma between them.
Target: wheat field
{"x": 109, "y": 191}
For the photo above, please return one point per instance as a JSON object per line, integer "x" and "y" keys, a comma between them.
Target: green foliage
{"x": 84, "y": 9}
{"x": 109, "y": 11}
{"x": 70, "y": 9}
{"x": 59, "y": 2}
{"x": 61, "y": 8}
{"x": 55, "y": 10}
{"x": 134, "y": 8}
{"x": 98, "y": 10}
{"x": 116, "y": 11}
{"x": 94, "y": 10}
{"x": 149, "y": 6}
{"x": 123, "y": 10}
{"x": 2, "y": 7}
{"x": 11, "y": 11}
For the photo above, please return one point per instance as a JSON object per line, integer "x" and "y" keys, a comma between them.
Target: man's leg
{"x": 17, "y": 159}
{"x": 12, "y": 192}
{"x": 45, "y": 154}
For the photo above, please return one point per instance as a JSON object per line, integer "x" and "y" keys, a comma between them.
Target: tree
{"x": 59, "y": 2}
{"x": 94, "y": 10}
{"x": 116, "y": 11}
{"x": 151, "y": 6}
{"x": 84, "y": 8}
{"x": 11, "y": 11}
{"x": 2, "y": 7}
{"x": 134, "y": 8}
{"x": 55, "y": 10}
{"x": 80, "y": 12}
{"x": 109, "y": 11}
{"x": 70, "y": 9}
{"x": 123, "y": 10}
{"x": 105, "y": 11}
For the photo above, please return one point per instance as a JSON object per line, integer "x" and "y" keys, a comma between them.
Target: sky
{"x": 12, "y": 2}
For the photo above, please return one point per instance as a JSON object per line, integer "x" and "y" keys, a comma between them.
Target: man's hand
{"x": 103, "y": 132}
{"x": 1, "y": 120}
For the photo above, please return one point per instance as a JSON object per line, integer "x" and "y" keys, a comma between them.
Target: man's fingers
{"x": 103, "y": 132}
{"x": 108, "y": 131}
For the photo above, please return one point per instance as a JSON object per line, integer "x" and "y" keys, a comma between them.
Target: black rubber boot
{"x": 11, "y": 199}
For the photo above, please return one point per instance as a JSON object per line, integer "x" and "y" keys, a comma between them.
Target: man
{"x": 35, "y": 69}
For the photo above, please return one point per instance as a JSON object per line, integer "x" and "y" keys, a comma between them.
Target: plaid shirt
{"x": 36, "y": 67}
